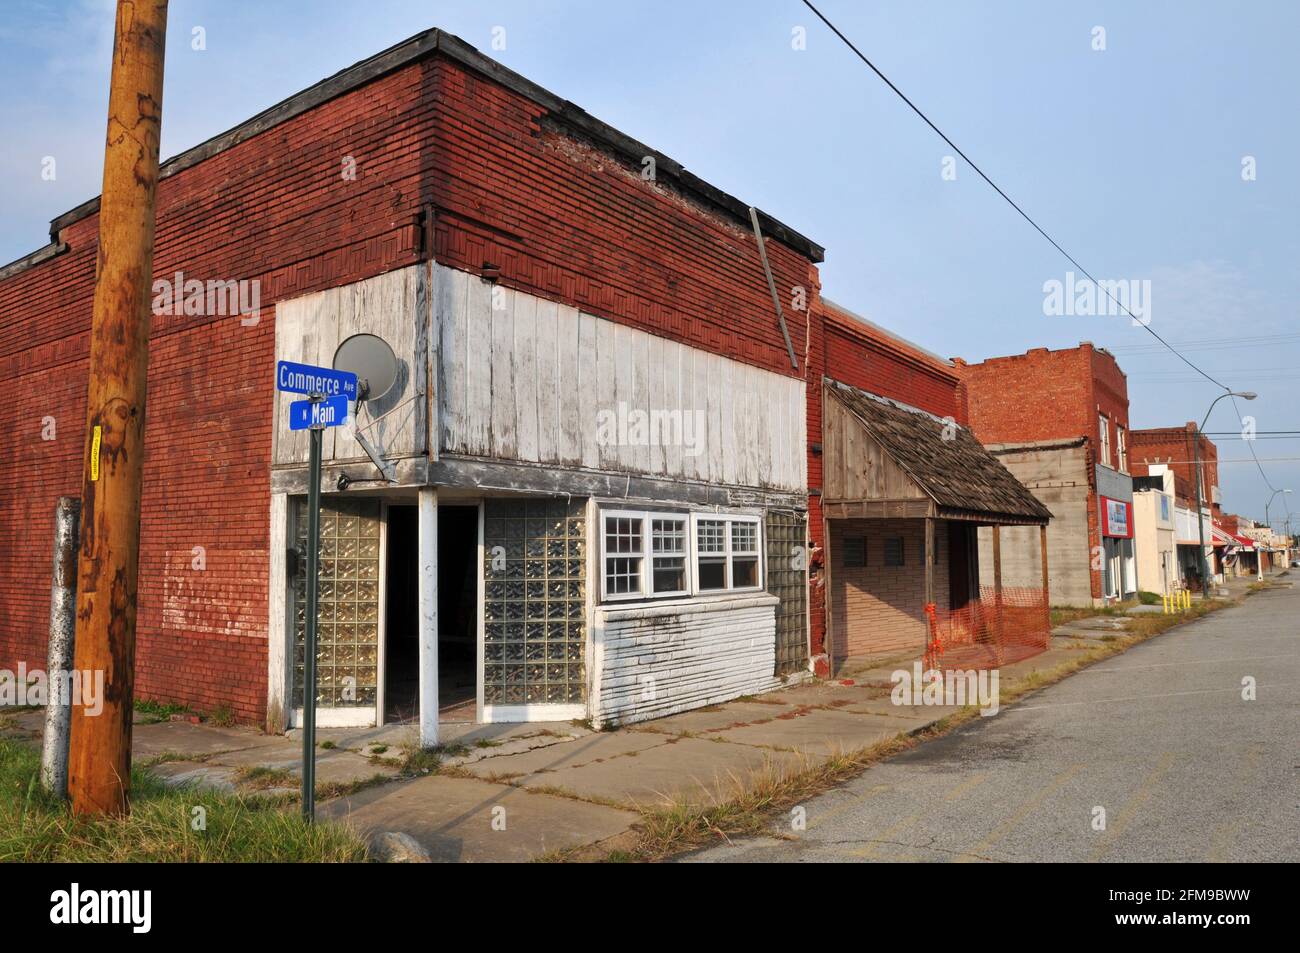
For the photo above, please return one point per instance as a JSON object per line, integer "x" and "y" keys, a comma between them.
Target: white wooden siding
{"x": 309, "y": 330}
{"x": 652, "y": 661}
{"x": 527, "y": 380}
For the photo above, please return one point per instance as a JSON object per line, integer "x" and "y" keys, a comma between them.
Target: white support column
{"x": 428, "y": 592}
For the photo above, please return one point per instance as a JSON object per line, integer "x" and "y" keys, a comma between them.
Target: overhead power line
{"x": 1025, "y": 215}
{"x": 1007, "y": 198}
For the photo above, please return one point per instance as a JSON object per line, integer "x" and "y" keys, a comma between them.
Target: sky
{"x": 1129, "y": 131}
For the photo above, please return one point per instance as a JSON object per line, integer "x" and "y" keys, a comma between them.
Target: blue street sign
{"x": 330, "y": 412}
{"x": 306, "y": 379}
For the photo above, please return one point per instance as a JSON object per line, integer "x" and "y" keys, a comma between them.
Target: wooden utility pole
{"x": 99, "y": 768}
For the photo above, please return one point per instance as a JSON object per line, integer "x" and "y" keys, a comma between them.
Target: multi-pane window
{"x": 624, "y": 555}
{"x": 668, "y": 555}
{"x": 744, "y": 554}
{"x": 1121, "y": 449}
{"x": 711, "y": 553}
{"x": 726, "y": 553}
{"x": 1103, "y": 427}
{"x": 653, "y": 554}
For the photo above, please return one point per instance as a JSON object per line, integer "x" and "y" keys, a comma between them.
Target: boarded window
{"x": 894, "y": 551}
{"x": 855, "y": 551}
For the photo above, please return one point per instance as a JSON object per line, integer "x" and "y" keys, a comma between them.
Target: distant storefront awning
{"x": 1223, "y": 537}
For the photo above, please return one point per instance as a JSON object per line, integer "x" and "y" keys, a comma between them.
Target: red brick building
{"x": 902, "y": 489}
{"x": 1059, "y": 420}
{"x": 595, "y": 459}
{"x": 1175, "y": 447}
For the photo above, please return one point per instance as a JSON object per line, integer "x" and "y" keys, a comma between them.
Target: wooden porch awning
{"x": 884, "y": 459}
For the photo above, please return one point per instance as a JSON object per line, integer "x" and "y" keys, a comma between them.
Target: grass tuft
{"x": 35, "y": 827}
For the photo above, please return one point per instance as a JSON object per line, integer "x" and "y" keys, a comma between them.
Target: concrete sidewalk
{"x": 518, "y": 792}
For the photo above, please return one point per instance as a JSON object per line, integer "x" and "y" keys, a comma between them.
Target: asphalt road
{"x": 1159, "y": 737}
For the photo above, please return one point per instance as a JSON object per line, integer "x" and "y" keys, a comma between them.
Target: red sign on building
{"x": 1116, "y": 518}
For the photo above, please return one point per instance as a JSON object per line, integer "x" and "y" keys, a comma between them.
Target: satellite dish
{"x": 372, "y": 360}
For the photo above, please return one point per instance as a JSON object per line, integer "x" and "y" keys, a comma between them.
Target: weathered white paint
{"x": 393, "y": 306}
{"x": 428, "y": 601}
{"x": 656, "y": 660}
{"x": 526, "y": 379}
{"x": 519, "y": 713}
{"x": 278, "y": 627}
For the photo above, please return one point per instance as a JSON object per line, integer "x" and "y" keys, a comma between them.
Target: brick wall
{"x": 879, "y": 608}
{"x": 1046, "y": 395}
{"x": 1175, "y": 446}
{"x": 552, "y": 213}
{"x": 861, "y": 356}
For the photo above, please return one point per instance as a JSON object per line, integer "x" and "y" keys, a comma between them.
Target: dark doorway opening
{"x": 457, "y": 614}
{"x": 402, "y": 616}
{"x": 963, "y": 564}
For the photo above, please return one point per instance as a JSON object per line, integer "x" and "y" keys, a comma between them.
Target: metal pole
{"x": 1200, "y": 521}
{"x": 309, "y": 659}
{"x": 99, "y": 769}
{"x": 63, "y": 630}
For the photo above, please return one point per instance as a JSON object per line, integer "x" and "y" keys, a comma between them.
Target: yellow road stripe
{"x": 1131, "y": 806}
{"x": 956, "y": 794}
{"x": 1007, "y": 826}
{"x": 1221, "y": 838}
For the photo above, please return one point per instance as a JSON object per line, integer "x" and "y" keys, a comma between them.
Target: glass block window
{"x": 787, "y": 579}
{"x": 534, "y": 601}
{"x": 347, "y": 629}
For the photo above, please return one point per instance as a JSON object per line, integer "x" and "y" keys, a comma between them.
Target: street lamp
{"x": 1196, "y": 462}
{"x": 1268, "y": 524}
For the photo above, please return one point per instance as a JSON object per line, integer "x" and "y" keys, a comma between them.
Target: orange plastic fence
{"x": 989, "y": 632}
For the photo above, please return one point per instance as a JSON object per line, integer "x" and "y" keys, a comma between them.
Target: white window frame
{"x": 728, "y": 555}
{"x": 1121, "y": 448}
{"x": 691, "y": 554}
{"x": 1103, "y": 426}
{"x": 645, "y": 554}
{"x": 685, "y": 520}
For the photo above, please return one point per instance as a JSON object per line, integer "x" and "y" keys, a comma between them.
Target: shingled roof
{"x": 943, "y": 459}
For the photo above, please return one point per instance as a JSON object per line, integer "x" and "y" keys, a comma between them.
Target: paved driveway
{"x": 1160, "y": 738}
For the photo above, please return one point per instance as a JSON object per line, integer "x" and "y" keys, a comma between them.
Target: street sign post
{"x": 305, "y": 379}
{"x": 327, "y": 412}
{"x": 328, "y": 392}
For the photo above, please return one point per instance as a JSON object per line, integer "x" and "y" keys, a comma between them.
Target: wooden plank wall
{"x": 658, "y": 660}
{"x": 393, "y": 306}
{"x": 526, "y": 379}
{"x": 855, "y": 467}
